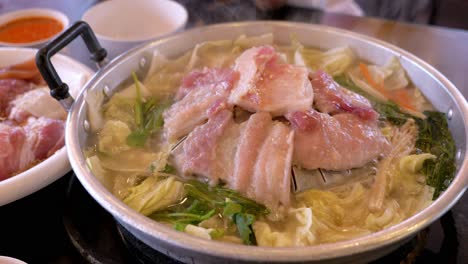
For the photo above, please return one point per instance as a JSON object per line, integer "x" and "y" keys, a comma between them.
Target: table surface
{"x": 445, "y": 49}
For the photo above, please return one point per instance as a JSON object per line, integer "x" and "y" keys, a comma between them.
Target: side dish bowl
{"x": 441, "y": 92}
{"x": 34, "y": 13}
{"x": 56, "y": 165}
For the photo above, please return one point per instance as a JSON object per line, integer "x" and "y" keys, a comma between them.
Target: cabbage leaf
{"x": 154, "y": 194}
{"x": 334, "y": 62}
{"x": 113, "y": 137}
{"x": 297, "y": 230}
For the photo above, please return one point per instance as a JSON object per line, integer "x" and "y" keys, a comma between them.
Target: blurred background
{"x": 446, "y": 13}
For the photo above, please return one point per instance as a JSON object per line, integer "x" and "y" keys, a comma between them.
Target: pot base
{"x": 101, "y": 239}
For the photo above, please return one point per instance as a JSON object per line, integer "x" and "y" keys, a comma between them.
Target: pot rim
{"x": 175, "y": 238}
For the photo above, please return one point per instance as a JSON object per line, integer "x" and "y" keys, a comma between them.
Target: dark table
{"x": 25, "y": 225}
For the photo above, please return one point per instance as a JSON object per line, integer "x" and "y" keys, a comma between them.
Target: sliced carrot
{"x": 402, "y": 98}
{"x": 365, "y": 72}
{"x": 399, "y": 96}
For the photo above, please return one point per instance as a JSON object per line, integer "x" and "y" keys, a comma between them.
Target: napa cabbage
{"x": 154, "y": 193}
{"x": 295, "y": 232}
{"x": 132, "y": 160}
{"x": 245, "y": 42}
{"x": 94, "y": 100}
{"x": 334, "y": 62}
{"x": 213, "y": 54}
{"x": 414, "y": 163}
{"x": 112, "y": 139}
{"x": 120, "y": 108}
{"x": 94, "y": 164}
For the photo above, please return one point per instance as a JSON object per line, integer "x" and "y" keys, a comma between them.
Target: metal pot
{"x": 440, "y": 91}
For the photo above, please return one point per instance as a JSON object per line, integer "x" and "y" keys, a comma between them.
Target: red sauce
{"x": 29, "y": 29}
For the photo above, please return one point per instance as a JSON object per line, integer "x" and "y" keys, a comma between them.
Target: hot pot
{"x": 440, "y": 91}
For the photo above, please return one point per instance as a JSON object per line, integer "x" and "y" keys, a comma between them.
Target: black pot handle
{"x": 58, "y": 89}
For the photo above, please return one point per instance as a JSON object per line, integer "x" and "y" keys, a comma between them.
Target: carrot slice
{"x": 399, "y": 96}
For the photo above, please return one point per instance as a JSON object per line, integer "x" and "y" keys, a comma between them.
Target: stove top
{"x": 63, "y": 224}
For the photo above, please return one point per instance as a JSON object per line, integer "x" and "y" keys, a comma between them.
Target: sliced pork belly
{"x": 201, "y": 92}
{"x": 23, "y": 146}
{"x": 254, "y": 132}
{"x": 12, "y": 158}
{"x": 330, "y": 97}
{"x": 338, "y": 142}
{"x": 269, "y": 84}
{"x": 46, "y": 136}
{"x": 9, "y": 90}
{"x": 253, "y": 157}
{"x": 209, "y": 149}
{"x": 37, "y": 103}
{"x": 223, "y": 77}
{"x": 271, "y": 180}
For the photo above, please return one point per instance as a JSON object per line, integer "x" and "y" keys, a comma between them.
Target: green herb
{"x": 180, "y": 226}
{"x": 231, "y": 208}
{"x": 387, "y": 110}
{"x": 435, "y": 138}
{"x": 138, "y": 107}
{"x": 148, "y": 117}
{"x": 204, "y": 201}
{"x": 217, "y": 233}
{"x": 244, "y": 226}
{"x": 137, "y": 138}
{"x": 169, "y": 169}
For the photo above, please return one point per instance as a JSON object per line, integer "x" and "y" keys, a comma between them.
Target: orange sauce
{"x": 29, "y": 29}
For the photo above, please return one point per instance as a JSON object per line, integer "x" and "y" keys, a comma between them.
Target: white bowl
{"x": 34, "y": 12}
{"x": 75, "y": 75}
{"x": 122, "y": 24}
{"x": 9, "y": 260}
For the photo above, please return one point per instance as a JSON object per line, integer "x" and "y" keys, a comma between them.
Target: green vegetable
{"x": 435, "y": 138}
{"x": 244, "y": 226}
{"x": 217, "y": 233}
{"x": 137, "y": 138}
{"x": 169, "y": 169}
{"x": 203, "y": 202}
{"x": 148, "y": 117}
{"x": 388, "y": 111}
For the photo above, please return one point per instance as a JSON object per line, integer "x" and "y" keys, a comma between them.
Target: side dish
{"x": 31, "y": 121}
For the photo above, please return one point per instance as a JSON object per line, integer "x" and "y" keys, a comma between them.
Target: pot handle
{"x": 58, "y": 89}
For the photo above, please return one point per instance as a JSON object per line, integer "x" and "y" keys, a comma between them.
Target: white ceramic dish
{"x": 56, "y": 165}
{"x": 8, "y": 260}
{"x": 121, "y": 25}
{"x": 33, "y": 12}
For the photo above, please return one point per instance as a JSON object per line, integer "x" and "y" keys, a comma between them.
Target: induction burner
{"x": 100, "y": 239}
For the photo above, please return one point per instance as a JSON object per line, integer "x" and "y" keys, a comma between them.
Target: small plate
{"x": 75, "y": 75}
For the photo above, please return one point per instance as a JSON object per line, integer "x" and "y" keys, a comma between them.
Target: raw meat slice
{"x": 37, "y": 103}
{"x": 331, "y": 98}
{"x": 208, "y": 94}
{"x": 270, "y": 183}
{"x": 338, "y": 142}
{"x": 253, "y": 157}
{"x": 199, "y": 153}
{"x": 23, "y": 146}
{"x": 253, "y": 134}
{"x": 269, "y": 84}
{"x": 9, "y": 89}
